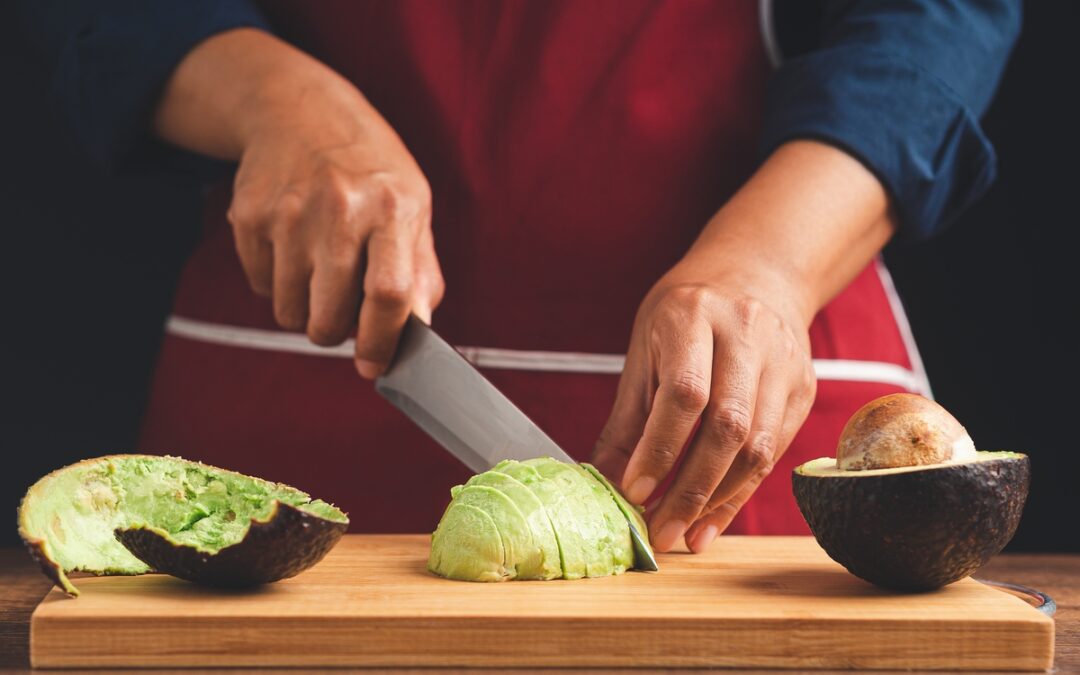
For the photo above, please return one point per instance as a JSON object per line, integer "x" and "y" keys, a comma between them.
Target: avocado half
{"x": 132, "y": 514}
{"x": 914, "y": 527}
{"x": 538, "y": 519}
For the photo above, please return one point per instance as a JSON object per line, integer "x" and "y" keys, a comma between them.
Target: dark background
{"x": 88, "y": 265}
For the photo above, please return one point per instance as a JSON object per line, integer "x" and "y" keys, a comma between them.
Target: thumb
{"x": 624, "y": 426}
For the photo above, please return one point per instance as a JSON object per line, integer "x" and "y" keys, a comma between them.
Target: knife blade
{"x": 439, "y": 390}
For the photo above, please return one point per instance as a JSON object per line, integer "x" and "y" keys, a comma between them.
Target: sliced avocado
{"x": 914, "y": 527}
{"x": 561, "y": 513}
{"x": 631, "y": 512}
{"x": 467, "y": 546}
{"x": 127, "y": 514}
{"x": 619, "y": 543}
{"x": 522, "y": 556}
{"x": 582, "y": 511}
{"x": 549, "y": 565}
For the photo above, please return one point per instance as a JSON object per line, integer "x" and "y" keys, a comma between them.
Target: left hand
{"x": 719, "y": 361}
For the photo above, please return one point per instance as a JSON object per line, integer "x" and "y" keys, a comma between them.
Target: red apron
{"x": 574, "y": 149}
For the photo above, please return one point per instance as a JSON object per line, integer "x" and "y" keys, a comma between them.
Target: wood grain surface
{"x": 775, "y": 602}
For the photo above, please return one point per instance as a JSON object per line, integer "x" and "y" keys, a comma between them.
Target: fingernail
{"x": 641, "y": 489}
{"x": 667, "y": 535}
{"x": 704, "y": 538}
{"x": 367, "y": 369}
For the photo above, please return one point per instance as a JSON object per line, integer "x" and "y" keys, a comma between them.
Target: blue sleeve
{"x": 900, "y": 85}
{"x": 110, "y": 60}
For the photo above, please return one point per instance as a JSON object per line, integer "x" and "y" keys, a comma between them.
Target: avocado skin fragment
{"x": 916, "y": 530}
{"x": 282, "y": 546}
{"x": 174, "y": 511}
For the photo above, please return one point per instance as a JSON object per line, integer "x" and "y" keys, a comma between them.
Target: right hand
{"x": 327, "y": 195}
{"x": 328, "y": 204}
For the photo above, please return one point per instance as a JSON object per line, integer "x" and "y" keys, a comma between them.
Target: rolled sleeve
{"x": 901, "y": 86}
{"x": 112, "y": 58}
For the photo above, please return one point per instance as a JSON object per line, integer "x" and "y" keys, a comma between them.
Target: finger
{"x": 684, "y": 368}
{"x": 624, "y": 425}
{"x": 713, "y": 524}
{"x": 723, "y": 431}
{"x": 388, "y": 299}
{"x": 428, "y": 283}
{"x": 758, "y": 454}
{"x": 720, "y": 516}
{"x": 252, "y": 247}
{"x": 335, "y": 296}
{"x": 292, "y": 277}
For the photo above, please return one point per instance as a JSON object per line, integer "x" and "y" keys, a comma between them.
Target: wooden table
{"x": 22, "y": 586}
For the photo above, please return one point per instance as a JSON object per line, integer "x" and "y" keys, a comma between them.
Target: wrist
{"x": 759, "y": 273}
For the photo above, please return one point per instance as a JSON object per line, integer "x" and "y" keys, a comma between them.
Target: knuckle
{"x": 747, "y": 311}
{"x": 759, "y": 454}
{"x": 689, "y": 391}
{"x": 245, "y": 212}
{"x": 327, "y": 332}
{"x": 259, "y": 283}
{"x": 692, "y": 499}
{"x": 608, "y": 440}
{"x": 730, "y": 421}
{"x": 660, "y": 456}
{"x": 288, "y": 317}
{"x": 397, "y": 205}
{"x": 687, "y": 301}
{"x": 390, "y": 290}
{"x": 288, "y": 209}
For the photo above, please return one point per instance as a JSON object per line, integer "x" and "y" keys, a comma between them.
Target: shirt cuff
{"x": 113, "y": 69}
{"x": 903, "y": 123}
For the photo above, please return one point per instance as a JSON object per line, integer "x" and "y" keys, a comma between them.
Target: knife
{"x": 439, "y": 390}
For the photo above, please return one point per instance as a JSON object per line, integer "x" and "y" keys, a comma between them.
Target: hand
{"x": 330, "y": 213}
{"x": 316, "y": 198}
{"x": 721, "y": 362}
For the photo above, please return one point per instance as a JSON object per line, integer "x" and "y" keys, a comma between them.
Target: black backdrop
{"x": 88, "y": 265}
{"x": 993, "y": 301}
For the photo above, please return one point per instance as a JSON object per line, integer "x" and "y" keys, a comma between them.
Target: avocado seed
{"x": 901, "y": 430}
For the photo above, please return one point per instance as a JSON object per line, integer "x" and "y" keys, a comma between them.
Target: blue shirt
{"x": 898, "y": 84}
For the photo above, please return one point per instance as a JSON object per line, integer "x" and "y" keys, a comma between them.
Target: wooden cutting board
{"x": 749, "y": 601}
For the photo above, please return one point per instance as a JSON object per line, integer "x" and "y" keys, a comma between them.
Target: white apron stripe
{"x": 510, "y": 359}
{"x": 767, "y": 24}
{"x": 906, "y": 334}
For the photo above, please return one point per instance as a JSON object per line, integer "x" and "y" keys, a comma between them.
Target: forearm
{"x": 233, "y": 84}
{"x": 806, "y": 223}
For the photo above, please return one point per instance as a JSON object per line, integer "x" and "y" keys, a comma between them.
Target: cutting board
{"x": 775, "y": 602}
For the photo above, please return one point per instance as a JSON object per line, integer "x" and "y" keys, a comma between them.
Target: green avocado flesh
{"x": 538, "y": 519}
{"x": 914, "y": 528}
{"x": 70, "y": 517}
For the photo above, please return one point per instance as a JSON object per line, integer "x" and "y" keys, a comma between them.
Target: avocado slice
{"x": 618, "y": 542}
{"x": 914, "y": 527}
{"x": 467, "y": 546}
{"x": 549, "y": 565}
{"x": 128, "y": 514}
{"x": 582, "y": 511}
{"x": 521, "y": 556}
{"x": 571, "y": 543}
{"x": 628, "y": 510}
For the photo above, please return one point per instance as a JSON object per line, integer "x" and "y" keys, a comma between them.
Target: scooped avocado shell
{"x": 130, "y": 514}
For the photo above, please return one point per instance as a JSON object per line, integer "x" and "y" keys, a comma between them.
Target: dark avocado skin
{"x": 288, "y": 543}
{"x": 917, "y": 530}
